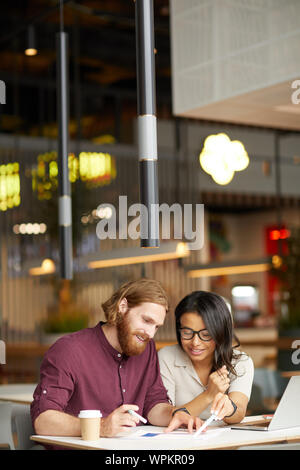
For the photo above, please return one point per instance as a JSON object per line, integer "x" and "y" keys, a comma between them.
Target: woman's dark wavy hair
{"x": 218, "y": 321}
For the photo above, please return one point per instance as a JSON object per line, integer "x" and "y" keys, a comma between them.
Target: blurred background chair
{"x": 267, "y": 389}
{"x": 22, "y": 425}
{"x": 6, "y": 432}
{"x": 16, "y": 427}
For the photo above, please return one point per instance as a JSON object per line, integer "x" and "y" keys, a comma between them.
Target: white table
{"x": 17, "y": 393}
{"x": 224, "y": 440}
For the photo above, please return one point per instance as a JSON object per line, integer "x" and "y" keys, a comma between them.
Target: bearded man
{"x": 112, "y": 367}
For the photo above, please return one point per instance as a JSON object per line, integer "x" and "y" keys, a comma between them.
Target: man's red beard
{"x": 127, "y": 337}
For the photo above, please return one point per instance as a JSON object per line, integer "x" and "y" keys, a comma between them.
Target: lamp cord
{"x": 61, "y": 11}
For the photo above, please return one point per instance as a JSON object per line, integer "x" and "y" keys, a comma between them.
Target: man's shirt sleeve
{"x": 57, "y": 380}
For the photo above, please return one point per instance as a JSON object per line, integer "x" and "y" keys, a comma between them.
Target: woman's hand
{"x": 183, "y": 419}
{"x": 218, "y": 382}
{"x": 222, "y": 406}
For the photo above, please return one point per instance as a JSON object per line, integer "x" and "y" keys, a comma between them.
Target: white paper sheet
{"x": 177, "y": 434}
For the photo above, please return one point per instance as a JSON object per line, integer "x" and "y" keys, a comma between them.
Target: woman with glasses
{"x": 204, "y": 373}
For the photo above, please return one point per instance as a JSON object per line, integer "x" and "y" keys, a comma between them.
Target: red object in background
{"x": 282, "y": 234}
{"x": 275, "y": 244}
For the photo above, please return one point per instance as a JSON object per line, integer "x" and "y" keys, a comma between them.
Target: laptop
{"x": 287, "y": 414}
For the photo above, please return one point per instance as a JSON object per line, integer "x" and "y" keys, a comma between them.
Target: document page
{"x": 177, "y": 434}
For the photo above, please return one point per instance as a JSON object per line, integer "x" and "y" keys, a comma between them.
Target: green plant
{"x": 66, "y": 322}
{"x": 65, "y": 316}
{"x": 288, "y": 272}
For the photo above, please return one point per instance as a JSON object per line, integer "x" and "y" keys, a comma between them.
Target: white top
{"x": 183, "y": 383}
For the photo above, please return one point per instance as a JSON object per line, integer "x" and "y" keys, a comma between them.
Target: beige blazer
{"x": 183, "y": 383}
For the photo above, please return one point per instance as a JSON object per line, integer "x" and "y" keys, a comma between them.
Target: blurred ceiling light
{"x": 31, "y": 49}
{"x": 84, "y": 220}
{"x": 47, "y": 267}
{"x": 104, "y": 212}
{"x": 43, "y": 228}
{"x": 94, "y": 168}
{"x": 276, "y": 261}
{"x": 9, "y": 186}
{"x": 136, "y": 255}
{"x": 104, "y": 139}
{"x": 243, "y": 291}
{"x": 222, "y": 157}
{"x": 29, "y": 229}
{"x": 229, "y": 268}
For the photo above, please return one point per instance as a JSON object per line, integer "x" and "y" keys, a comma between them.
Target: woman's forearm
{"x": 199, "y": 404}
{"x": 237, "y": 417}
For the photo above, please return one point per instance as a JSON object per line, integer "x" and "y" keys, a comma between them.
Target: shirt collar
{"x": 181, "y": 358}
{"x": 106, "y": 344}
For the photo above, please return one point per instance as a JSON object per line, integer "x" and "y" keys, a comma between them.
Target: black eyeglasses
{"x": 188, "y": 333}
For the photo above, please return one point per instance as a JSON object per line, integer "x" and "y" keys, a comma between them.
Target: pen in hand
{"x": 205, "y": 424}
{"x": 133, "y": 413}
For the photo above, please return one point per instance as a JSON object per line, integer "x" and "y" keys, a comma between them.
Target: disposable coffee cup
{"x": 90, "y": 423}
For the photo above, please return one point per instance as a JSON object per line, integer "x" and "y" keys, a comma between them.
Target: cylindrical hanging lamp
{"x": 147, "y": 127}
{"x": 31, "y": 48}
{"x": 64, "y": 186}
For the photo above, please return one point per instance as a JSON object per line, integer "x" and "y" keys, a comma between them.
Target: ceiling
{"x": 102, "y": 61}
{"x": 268, "y": 107}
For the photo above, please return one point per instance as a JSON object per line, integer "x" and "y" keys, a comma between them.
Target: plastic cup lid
{"x": 90, "y": 414}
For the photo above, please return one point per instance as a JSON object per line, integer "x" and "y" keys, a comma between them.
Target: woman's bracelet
{"x": 234, "y": 409}
{"x": 181, "y": 409}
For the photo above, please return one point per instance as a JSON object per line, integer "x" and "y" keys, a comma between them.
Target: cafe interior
{"x": 225, "y": 120}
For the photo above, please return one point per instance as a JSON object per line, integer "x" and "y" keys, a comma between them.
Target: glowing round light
{"x": 243, "y": 291}
{"x": 22, "y": 229}
{"x": 36, "y": 228}
{"x": 209, "y": 161}
{"x": 84, "y": 219}
{"x": 48, "y": 266}
{"x": 30, "y": 52}
{"x": 43, "y": 228}
{"x": 221, "y": 157}
{"x": 276, "y": 261}
{"x": 182, "y": 249}
{"x": 29, "y": 229}
{"x": 104, "y": 212}
{"x": 16, "y": 229}
{"x": 222, "y": 175}
{"x": 238, "y": 159}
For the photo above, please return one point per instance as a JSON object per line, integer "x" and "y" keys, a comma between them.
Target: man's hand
{"x": 118, "y": 421}
{"x": 181, "y": 418}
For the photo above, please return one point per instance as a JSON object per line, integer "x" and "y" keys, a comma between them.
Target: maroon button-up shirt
{"x": 83, "y": 371}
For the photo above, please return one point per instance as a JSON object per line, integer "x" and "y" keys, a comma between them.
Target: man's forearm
{"x": 57, "y": 423}
{"x": 160, "y": 414}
